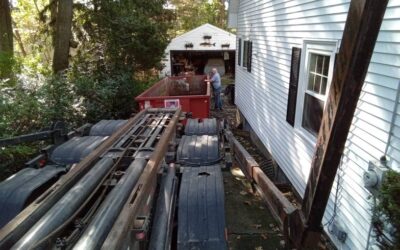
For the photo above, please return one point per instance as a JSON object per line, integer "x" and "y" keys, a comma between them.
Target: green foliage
{"x": 105, "y": 96}
{"x": 124, "y": 34}
{"x": 387, "y": 211}
{"x": 32, "y": 40}
{"x": 59, "y": 101}
{"x": 20, "y": 108}
{"x": 118, "y": 44}
{"x": 12, "y": 158}
{"x": 32, "y": 104}
{"x": 191, "y": 14}
{"x": 20, "y": 111}
{"x": 8, "y": 67}
{"x": 36, "y": 102}
{"x": 118, "y": 41}
{"x": 109, "y": 96}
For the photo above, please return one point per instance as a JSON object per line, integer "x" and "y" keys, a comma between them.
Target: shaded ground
{"x": 249, "y": 223}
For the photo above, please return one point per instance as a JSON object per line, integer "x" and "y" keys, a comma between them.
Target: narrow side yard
{"x": 249, "y": 223}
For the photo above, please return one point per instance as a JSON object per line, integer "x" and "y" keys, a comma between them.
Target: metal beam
{"x": 361, "y": 31}
{"x": 161, "y": 233}
{"x": 43, "y": 135}
{"x": 142, "y": 190}
{"x": 100, "y": 225}
{"x": 66, "y": 206}
{"x": 97, "y": 230}
{"x": 17, "y": 227}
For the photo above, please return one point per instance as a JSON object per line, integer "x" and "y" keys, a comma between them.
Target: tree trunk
{"x": 6, "y": 41}
{"x": 6, "y": 34}
{"x": 18, "y": 39}
{"x": 222, "y": 15}
{"x": 52, "y": 23}
{"x": 63, "y": 35}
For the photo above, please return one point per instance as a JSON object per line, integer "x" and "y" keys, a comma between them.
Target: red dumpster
{"x": 191, "y": 93}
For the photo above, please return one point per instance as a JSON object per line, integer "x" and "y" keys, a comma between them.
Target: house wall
{"x": 275, "y": 26}
{"x": 393, "y": 147}
{"x": 195, "y": 36}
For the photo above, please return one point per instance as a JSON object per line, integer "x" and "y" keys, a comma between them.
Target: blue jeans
{"x": 217, "y": 98}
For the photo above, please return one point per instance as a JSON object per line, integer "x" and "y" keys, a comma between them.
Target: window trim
{"x": 322, "y": 47}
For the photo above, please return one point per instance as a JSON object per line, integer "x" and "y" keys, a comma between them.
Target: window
{"x": 314, "y": 80}
{"x": 315, "y": 94}
{"x": 245, "y": 53}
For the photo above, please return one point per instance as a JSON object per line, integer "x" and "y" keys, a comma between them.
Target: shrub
{"x": 387, "y": 212}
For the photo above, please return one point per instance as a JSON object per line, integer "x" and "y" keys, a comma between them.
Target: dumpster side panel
{"x": 198, "y": 105}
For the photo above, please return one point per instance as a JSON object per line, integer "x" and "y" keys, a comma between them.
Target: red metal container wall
{"x": 199, "y": 105}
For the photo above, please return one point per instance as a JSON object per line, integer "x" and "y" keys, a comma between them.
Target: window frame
{"x": 245, "y": 49}
{"x": 321, "y": 47}
{"x": 246, "y": 54}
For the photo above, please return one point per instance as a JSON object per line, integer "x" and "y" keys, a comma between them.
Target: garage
{"x": 199, "y": 50}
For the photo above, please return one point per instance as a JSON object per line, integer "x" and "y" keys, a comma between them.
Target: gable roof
{"x": 202, "y": 28}
{"x": 195, "y": 36}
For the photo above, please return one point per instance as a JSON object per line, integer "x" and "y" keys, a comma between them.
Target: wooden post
{"x": 361, "y": 30}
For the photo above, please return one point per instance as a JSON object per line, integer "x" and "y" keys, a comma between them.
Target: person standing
{"x": 216, "y": 84}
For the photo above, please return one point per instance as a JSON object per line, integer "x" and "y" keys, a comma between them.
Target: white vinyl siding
{"x": 393, "y": 148}
{"x": 274, "y": 27}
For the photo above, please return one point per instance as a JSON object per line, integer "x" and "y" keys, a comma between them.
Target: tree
{"x": 6, "y": 40}
{"x": 63, "y": 35}
{"x": 136, "y": 31}
{"x": 118, "y": 40}
{"x": 6, "y": 34}
{"x": 33, "y": 48}
{"x": 193, "y": 13}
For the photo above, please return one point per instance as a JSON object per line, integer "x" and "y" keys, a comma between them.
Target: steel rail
{"x": 138, "y": 129}
{"x": 43, "y": 135}
{"x": 66, "y": 206}
{"x": 161, "y": 234}
{"x": 72, "y": 200}
{"x": 142, "y": 190}
{"x": 95, "y": 234}
{"x": 17, "y": 227}
{"x": 98, "y": 228}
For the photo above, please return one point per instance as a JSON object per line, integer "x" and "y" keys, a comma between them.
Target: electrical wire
{"x": 336, "y": 205}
